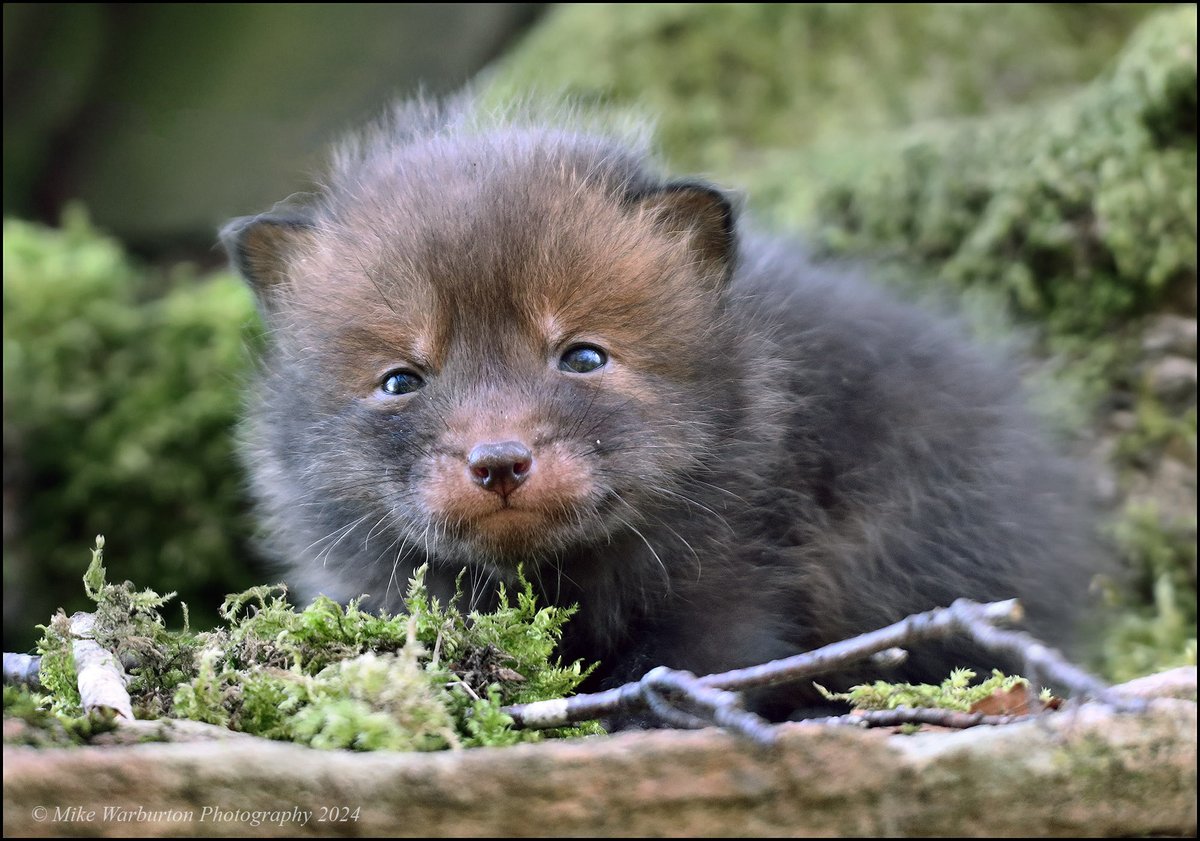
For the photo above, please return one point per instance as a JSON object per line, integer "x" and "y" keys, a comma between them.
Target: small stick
{"x": 1041, "y": 661}
{"x": 22, "y": 670}
{"x": 714, "y": 705}
{"x": 101, "y": 679}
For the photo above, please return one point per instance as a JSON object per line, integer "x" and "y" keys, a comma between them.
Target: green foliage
{"x": 1153, "y": 624}
{"x": 374, "y": 702}
{"x": 1155, "y": 627}
{"x": 57, "y": 670}
{"x": 327, "y": 676}
{"x": 46, "y": 728}
{"x": 527, "y": 635}
{"x": 129, "y": 624}
{"x": 121, "y": 388}
{"x": 726, "y": 81}
{"x": 954, "y": 693}
{"x": 1083, "y": 210}
{"x": 1157, "y": 429}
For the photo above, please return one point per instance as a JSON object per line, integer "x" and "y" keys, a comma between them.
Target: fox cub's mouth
{"x": 509, "y": 497}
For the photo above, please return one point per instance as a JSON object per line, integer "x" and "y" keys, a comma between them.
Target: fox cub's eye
{"x": 583, "y": 359}
{"x": 401, "y": 382}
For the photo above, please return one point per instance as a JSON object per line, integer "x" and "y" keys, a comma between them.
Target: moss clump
{"x": 954, "y": 693}
{"x": 1083, "y": 211}
{"x": 327, "y": 676}
{"x": 1157, "y": 430}
{"x": 129, "y": 624}
{"x": 726, "y": 81}
{"x": 1155, "y": 625}
{"x": 43, "y": 728}
{"x": 121, "y": 389}
{"x": 330, "y": 676}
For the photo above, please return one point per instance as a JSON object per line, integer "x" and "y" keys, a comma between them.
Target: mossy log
{"x": 1088, "y": 771}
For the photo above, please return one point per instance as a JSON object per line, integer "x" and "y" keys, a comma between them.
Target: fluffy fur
{"x": 776, "y": 455}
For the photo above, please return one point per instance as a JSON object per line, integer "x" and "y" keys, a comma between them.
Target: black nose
{"x": 500, "y": 468}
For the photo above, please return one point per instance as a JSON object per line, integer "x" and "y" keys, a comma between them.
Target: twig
{"x": 668, "y": 693}
{"x": 1042, "y": 661}
{"x": 975, "y": 620}
{"x": 22, "y": 670}
{"x": 101, "y": 678}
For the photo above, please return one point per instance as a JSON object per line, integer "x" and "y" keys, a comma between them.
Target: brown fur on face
{"x": 480, "y": 294}
{"x": 773, "y": 456}
{"x": 565, "y": 261}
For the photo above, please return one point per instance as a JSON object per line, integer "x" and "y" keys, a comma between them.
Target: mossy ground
{"x": 327, "y": 676}
{"x": 957, "y": 692}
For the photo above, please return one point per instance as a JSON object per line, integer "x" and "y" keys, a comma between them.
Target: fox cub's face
{"x": 493, "y": 365}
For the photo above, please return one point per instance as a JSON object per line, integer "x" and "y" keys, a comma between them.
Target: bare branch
{"x": 972, "y": 619}
{"x": 22, "y": 670}
{"x": 102, "y": 681}
{"x": 680, "y": 699}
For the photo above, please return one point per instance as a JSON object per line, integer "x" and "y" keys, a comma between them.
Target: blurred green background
{"x": 1035, "y": 164}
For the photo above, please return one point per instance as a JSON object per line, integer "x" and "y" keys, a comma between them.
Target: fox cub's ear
{"x": 259, "y": 248}
{"x": 700, "y": 212}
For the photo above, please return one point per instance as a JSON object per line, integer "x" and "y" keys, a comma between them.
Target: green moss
{"x": 1157, "y": 430}
{"x": 129, "y": 624}
{"x": 44, "y": 728}
{"x": 1154, "y": 625}
{"x": 954, "y": 693}
{"x": 375, "y": 701}
{"x": 1083, "y": 210}
{"x": 57, "y": 671}
{"x": 121, "y": 389}
{"x": 327, "y": 676}
{"x": 726, "y": 81}
{"x": 1153, "y": 605}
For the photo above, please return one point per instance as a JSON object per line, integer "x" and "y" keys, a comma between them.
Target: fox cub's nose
{"x": 501, "y": 467}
